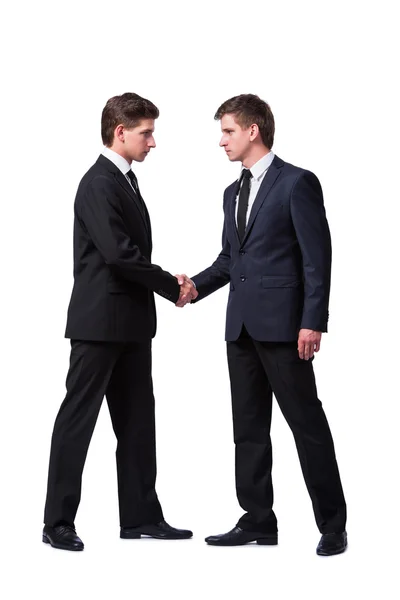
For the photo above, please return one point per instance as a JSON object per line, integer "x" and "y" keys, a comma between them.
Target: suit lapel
{"x": 124, "y": 183}
{"x": 148, "y": 223}
{"x": 232, "y": 211}
{"x": 271, "y": 176}
{"x": 122, "y": 180}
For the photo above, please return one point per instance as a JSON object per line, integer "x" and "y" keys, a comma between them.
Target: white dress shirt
{"x": 119, "y": 161}
{"x": 258, "y": 171}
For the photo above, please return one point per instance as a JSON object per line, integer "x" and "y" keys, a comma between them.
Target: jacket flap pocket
{"x": 115, "y": 287}
{"x": 280, "y": 281}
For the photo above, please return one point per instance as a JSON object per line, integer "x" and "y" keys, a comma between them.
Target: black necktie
{"x": 132, "y": 178}
{"x": 243, "y": 202}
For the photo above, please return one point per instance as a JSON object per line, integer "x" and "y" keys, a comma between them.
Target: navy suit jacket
{"x": 280, "y": 274}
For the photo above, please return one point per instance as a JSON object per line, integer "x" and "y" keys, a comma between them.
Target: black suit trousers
{"x": 257, "y": 370}
{"x": 122, "y": 373}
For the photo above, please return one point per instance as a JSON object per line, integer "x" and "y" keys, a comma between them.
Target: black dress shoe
{"x": 332, "y": 543}
{"x": 239, "y": 537}
{"x": 62, "y": 536}
{"x": 160, "y": 531}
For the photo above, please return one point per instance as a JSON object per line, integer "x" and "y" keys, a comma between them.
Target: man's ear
{"x": 119, "y": 133}
{"x": 254, "y": 131}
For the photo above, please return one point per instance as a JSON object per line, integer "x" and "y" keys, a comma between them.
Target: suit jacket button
{"x": 242, "y": 278}
{"x": 242, "y": 252}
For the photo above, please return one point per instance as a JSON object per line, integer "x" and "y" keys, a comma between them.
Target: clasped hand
{"x": 188, "y": 290}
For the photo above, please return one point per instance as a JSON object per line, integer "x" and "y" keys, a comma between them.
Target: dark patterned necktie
{"x": 132, "y": 178}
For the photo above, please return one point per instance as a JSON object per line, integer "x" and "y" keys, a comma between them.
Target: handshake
{"x": 188, "y": 290}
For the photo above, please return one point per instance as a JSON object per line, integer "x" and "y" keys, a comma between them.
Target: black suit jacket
{"x": 114, "y": 280}
{"x": 280, "y": 274}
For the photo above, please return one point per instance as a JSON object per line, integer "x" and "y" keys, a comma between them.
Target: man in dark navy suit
{"x": 276, "y": 257}
{"x": 111, "y": 322}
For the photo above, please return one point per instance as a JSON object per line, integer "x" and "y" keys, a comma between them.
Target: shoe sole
{"x": 137, "y": 536}
{"x": 334, "y": 553}
{"x": 266, "y": 541}
{"x": 46, "y": 540}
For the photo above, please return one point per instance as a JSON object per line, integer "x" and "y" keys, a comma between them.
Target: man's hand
{"x": 309, "y": 342}
{"x": 188, "y": 290}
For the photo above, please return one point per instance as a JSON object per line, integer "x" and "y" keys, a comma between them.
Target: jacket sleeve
{"x": 312, "y": 231}
{"x": 218, "y": 274}
{"x": 100, "y": 212}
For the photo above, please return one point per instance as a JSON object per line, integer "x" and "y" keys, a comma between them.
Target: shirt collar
{"x": 118, "y": 160}
{"x": 259, "y": 168}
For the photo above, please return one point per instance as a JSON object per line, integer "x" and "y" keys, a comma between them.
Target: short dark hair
{"x": 128, "y": 110}
{"x": 248, "y": 109}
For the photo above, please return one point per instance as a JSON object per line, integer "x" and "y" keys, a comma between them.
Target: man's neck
{"x": 120, "y": 151}
{"x": 256, "y": 155}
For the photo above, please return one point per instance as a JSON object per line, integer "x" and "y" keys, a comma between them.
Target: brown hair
{"x": 248, "y": 109}
{"x": 128, "y": 110}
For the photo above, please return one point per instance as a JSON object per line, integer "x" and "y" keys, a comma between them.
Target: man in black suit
{"x": 276, "y": 256}
{"x": 111, "y": 321}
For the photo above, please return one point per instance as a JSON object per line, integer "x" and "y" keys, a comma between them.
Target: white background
{"x": 328, "y": 71}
